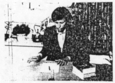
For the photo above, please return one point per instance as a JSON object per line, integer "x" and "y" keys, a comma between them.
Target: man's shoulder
{"x": 71, "y": 28}
{"x": 50, "y": 29}
{"x": 70, "y": 25}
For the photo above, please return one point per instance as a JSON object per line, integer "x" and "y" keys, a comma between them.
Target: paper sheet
{"x": 49, "y": 66}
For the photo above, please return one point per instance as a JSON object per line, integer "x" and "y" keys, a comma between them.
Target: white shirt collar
{"x": 61, "y": 32}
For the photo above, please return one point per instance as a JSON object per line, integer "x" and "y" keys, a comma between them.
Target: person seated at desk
{"x": 61, "y": 42}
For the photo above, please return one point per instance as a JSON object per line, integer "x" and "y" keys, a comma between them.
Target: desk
{"x": 22, "y": 71}
{"x": 31, "y": 73}
{"x": 19, "y": 52}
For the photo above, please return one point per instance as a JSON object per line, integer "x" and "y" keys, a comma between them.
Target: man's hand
{"x": 35, "y": 59}
{"x": 63, "y": 62}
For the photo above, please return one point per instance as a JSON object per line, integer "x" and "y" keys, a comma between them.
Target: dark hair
{"x": 61, "y": 13}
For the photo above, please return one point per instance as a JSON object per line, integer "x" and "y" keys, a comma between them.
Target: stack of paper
{"x": 85, "y": 72}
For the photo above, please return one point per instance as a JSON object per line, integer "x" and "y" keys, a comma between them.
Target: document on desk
{"x": 49, "y": 66}
{"x": 85, "y": 72}
{"x": 100, "y": 59}
{"x": 77, "y": 72}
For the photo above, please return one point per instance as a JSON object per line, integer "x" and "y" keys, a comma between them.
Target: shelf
{"x": 24, "y": 44}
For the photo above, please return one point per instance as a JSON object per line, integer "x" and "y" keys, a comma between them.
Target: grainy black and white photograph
{"x": 57, "y": 40}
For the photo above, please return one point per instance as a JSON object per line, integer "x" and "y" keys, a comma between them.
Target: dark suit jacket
{"x": 72, "y": 47}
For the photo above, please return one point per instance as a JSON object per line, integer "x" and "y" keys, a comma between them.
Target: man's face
{"x": 60, "y": 24}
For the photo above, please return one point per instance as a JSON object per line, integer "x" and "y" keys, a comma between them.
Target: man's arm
{"x": 46, "y": 43}
{"x": 43, "y": 53}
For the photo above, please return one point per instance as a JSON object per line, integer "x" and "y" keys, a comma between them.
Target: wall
{"x": 94, "y": 19}
{"x": 31, "y": 12}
